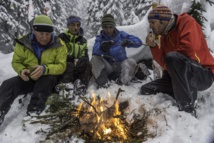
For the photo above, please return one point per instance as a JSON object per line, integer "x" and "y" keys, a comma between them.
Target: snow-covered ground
{"x": 168, "y": 124}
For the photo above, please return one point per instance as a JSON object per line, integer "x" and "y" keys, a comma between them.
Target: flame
{"x": 106, "y": 128}
{"x": 79, "y": 108}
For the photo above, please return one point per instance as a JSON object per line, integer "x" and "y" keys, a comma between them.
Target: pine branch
{"x": 210, "y": 2}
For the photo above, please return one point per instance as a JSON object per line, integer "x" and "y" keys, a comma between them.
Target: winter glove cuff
{"x": 106, "y": 45}
{"x": 126, "y": 43}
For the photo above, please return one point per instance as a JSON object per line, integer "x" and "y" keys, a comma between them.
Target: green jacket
{"x": 53, "y": 57}
{"x": 76, "y": 44}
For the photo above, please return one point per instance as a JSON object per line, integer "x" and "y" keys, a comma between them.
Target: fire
{"x": 106, "y": 119}
{"x": 107, "y": 131}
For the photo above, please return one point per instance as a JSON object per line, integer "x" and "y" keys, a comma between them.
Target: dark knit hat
{"x": 108, "y": 19}
{"x": 160, "y": 13}
{"x": 72, "y": 19}
{"x": 43, "y": 23}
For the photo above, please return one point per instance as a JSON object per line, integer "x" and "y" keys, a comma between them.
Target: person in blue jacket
{"x": 109, "y": 59}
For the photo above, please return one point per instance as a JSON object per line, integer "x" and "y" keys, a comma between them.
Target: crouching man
{"x": 184, "y": 55}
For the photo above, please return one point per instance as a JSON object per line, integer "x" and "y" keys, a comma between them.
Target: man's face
{"x": 108, "y": 30}
{"x": 157, "y": 26}
{"x": 43, "y": 37}
{"x": 74, "y": 28}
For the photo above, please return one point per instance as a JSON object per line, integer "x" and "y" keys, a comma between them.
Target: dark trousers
{"x": 11, "y": 88}
{"x": 183, "y": 78}
{"x": 72, "y": 73}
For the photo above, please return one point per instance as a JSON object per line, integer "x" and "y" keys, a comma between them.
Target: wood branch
{"x": 89, "y": 104}
{"x": 118, "y": 93}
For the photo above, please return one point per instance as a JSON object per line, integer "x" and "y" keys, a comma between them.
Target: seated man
{"x": 78, "y": 66}
{"x": 184, "y": 56}
{"x": 109, "y": 59}
{"x": 38, "y": 59}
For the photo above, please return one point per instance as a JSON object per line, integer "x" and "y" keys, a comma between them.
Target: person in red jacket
{"x": 183, "y": 54}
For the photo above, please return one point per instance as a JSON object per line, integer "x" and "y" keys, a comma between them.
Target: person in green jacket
{"x": 78, "y": 69}
{"x": 39, "y": 58}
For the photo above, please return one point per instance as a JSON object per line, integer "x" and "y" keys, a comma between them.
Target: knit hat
{"x": 160, "y": 13}
{"x": 72, "y": 19}
{"x": 108, "y": 19}
{"x": 43, "y": 23}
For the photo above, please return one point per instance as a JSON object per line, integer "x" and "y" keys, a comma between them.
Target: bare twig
{"x": 89, "y": 104}
{"x": 118, "y": 93}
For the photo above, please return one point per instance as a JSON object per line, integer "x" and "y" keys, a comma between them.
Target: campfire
{"x": 104, "y": 122}
{"x": 94, "y": 120}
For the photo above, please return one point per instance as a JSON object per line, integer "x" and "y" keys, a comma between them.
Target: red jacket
{"x": 187, "y": 38}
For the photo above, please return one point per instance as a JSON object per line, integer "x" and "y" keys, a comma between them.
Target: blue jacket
{"x": 117, "y": 52}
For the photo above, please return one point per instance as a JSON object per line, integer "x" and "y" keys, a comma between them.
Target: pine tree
{"x": 196, "y": 12}
{"x": 125, "y": 12}
{"x": 210, "y": 2}
{"x": 15, "y": 21}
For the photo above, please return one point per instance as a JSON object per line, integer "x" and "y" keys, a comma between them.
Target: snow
{"x": 167, "y": 124}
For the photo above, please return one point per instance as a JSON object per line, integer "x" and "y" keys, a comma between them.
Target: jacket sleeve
{"x": 96, "y": 48}
{"x": 59, "y": 66}
{"x": 18, "y": 59}
{"x": 84, "y": 52}
{"x": 135, "y": 41}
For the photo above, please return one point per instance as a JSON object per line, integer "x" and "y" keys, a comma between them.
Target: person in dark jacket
{"x": 39, "y": 58}
{"x": 109, "y": 59}
{"x": 183, "y": 54}
{"x": 78, "y": 69}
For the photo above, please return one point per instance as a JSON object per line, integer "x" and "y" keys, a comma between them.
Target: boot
{"x": 79, "y": 88}
{"x": 142, "y": 72}
{"x": 2, "y": 115}
{"x": 188, "y": 107}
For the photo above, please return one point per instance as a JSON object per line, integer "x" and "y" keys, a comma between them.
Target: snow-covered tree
{"x": 196, "y": 12}
{"x": 16, "y": 17}
{"x": 125, "y": 12}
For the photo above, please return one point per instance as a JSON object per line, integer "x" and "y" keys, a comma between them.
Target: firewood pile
{"x": 93, "y": 120}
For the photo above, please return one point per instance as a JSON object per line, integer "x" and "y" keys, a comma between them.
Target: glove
{"x": 126, "y": 43}
{"x": 64, "y": 37}
{"x": 81, "y": 64}
{"x": 106, "y": 45}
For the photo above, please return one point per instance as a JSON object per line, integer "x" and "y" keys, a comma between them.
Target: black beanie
{"x": 108, "y": 19}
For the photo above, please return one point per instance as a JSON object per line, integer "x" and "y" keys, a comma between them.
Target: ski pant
{"x": 42, "y": 88}
{"x": 103, "y": 71}
{"x": 72, "y": 73}
{"x": 183, "y": 78}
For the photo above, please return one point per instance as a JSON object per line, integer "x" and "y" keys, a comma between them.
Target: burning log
{"x": 92, "y": 120}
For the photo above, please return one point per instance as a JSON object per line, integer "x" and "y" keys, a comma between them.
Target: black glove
{"x": 126, "y": 43}
{"x": 64, "y": 37}
{"x": 106, "y": 45}
{"x": 81, "y": 64}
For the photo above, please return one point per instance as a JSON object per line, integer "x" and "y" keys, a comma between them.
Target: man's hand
{"x": 106, "y": 45}
{"x": 150, "y": 40}
{"x": 25, "y": 74}
{"x": 38, "y": 72}
{"x": 125, "y": 43}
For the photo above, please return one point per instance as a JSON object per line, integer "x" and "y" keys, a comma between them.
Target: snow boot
{"x": 188, "y": 107}
{"x": 79, "y": 88}
{"x": 2, "y": 115}
{"x": 142, "y": 72}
